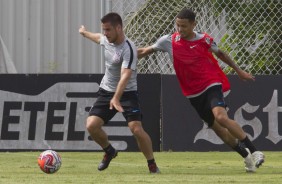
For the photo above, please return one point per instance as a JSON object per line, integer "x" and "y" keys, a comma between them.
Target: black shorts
{"x": 204, "y": 103}
{"x": 129, "y": 101}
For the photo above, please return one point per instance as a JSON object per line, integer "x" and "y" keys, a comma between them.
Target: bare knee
{"x": 136, "y": 129}
{"x": 93, "y": 123}
{"x": 222, "y": 119}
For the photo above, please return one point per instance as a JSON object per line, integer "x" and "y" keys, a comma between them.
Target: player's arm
{"x": 143, "y": 52}
{"x": 226, "y": 59}
{"x": 124, "y": 78}
{"x": 95, "y": 37}
{"x": 163, "y": 44}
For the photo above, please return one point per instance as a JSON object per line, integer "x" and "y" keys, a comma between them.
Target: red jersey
{"x": 195, "y": 66}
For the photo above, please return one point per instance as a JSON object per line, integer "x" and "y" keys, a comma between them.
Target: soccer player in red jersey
{"x": 203, "y": 82}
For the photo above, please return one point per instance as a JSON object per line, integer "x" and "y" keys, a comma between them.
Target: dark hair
{"x": 113, "y": 18}
{"x": 186, "y": 13}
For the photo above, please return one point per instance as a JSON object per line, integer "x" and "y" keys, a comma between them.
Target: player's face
{"x": 185, "y": 28}
{"x": 111, "y": 32}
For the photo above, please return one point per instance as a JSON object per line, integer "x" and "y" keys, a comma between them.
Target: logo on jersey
{"x": 191, "y": 47}
{"x": 177, "y": 38}
{"x": 208, "y": 41}
{"x": 116, "y": 57}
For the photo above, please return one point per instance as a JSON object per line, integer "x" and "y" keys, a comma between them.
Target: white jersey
{"x": 119, "y": 56}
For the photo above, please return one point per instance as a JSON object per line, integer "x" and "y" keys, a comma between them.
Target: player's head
{"x": 185, "y": 22}
{"x": 112, "y": 27}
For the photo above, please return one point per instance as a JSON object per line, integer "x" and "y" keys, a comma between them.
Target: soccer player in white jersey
{"x": 203, "y": 82}
{"x": 118, "y": 90}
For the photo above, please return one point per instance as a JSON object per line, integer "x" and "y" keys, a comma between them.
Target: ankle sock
{"x": 109, "y": 149}
{"x": 249, "y": 144}
{"x": 241, "y": 150}
{"x": 152, "y": 161}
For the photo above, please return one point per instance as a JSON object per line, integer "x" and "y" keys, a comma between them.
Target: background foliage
{"x": 249, "y": 30}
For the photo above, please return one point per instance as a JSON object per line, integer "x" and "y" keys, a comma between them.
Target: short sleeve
{"x": 102, "y": 40}
{"x": 163, "y": 44}
{"x": 211, "y": 43}
{"x": 214, "y": 47}
{"x": 130, "y": 56}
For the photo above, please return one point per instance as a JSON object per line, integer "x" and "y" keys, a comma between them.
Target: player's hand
{"x": 115, "y": 103}
{"x": 82, "y": 30}
{"x": 245, "y": 76}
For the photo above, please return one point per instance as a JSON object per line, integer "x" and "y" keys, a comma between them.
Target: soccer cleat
{"x": 106, "y": 160}
{"x": 153, "y": 168}
{"x": 258, "y": 158}
{"x": 249, "y": 163}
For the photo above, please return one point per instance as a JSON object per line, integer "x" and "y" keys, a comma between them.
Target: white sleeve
{"x": 214, "y": 47}
{"x": 102, "y": 40}
{"x": 130, "y": 56}
{"x": 163, "y": 44}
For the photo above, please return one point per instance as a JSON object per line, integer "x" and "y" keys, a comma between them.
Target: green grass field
{"x": 176, "y": 167}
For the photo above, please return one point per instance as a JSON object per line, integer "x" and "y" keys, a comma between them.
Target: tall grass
{"x": 176, "y": 167}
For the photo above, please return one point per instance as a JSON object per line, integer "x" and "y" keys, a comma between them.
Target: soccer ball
{"x": 49, "y": 161}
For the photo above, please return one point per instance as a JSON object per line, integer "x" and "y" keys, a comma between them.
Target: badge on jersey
{"x": 208, "y": 41}
{"x": 177, "y": 38}
{"x": 116, "y": 57}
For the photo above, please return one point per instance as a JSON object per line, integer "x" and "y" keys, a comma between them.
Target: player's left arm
{"x": 226, "y": 59}
{"x": 124, "y": 78}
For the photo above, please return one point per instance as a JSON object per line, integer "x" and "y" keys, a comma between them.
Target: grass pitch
{"x": 176, "y": 167}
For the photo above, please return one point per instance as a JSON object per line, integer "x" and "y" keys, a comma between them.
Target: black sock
{"x": 109, "y": 149}
{"x": 249, "y": 144}
{"x": 241, "y": 150}
{"x": 151, "y": 161}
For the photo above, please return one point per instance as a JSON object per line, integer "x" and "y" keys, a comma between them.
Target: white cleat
{"x": 249, "y": 162}
{"x": 258, "y": 158}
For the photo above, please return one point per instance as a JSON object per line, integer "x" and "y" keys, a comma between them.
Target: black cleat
{"x": 153, "y": 168}
{"x": 106, "y": 160}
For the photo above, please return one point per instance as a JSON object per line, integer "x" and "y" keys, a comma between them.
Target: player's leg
{"x": 224, "y": 134}
{"x": 207, "y": 105}
{"x": 143, "y": 140}
{"x": 220, "y": 115}
{"x": 228, "y": 139}
{"x": 215, "y": 97}
{"x": 133, "y": 115}
{"x": 99, "y": 115}
{"x": 94, "y": 127}
{"x": 233, "y": 127}
{"x": 144, "y": 143}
